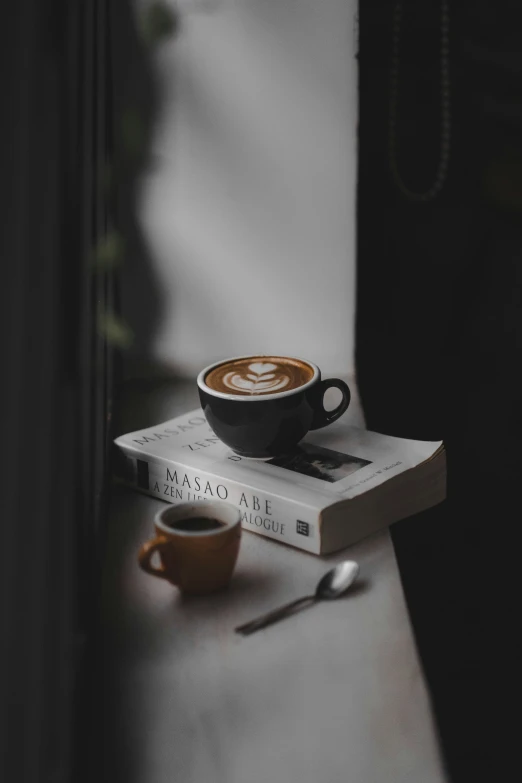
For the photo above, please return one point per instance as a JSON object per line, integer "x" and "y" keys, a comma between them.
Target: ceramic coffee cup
{"x": 198, "y": 544}
{"x": 261, "y": 406}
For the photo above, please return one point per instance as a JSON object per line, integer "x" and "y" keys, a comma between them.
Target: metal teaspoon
{"x": 333, "y": 584}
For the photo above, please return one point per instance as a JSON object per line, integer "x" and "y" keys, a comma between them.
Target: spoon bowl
{"x": 337, "y": 581}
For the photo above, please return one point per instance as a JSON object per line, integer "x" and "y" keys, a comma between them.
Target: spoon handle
{"x": 275, "y": 615}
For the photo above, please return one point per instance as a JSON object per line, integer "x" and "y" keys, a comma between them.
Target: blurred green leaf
{"x": 108, "y": 254}
{"x": 115, "y": 330}
{"x": 132, "y": 132}
{"x": 157, "y": 22}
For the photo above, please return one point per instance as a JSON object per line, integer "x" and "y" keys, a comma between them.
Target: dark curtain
{"x": 439, "y": 341}
{"x": 57, "y": 375}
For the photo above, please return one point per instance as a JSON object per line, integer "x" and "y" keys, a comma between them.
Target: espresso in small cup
{"x": 261, "y": 406}
{"x": 196, "y": 524}
{"x": 198, "y": 544}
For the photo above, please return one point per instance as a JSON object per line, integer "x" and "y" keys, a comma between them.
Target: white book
{"x": 339, "y": 485}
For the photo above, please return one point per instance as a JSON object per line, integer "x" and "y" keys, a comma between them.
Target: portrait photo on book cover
{"x": 320, "y": 463}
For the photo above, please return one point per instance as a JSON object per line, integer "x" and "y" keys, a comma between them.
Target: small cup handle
{"x": 146, "y": 552}
{"x": 323, "y": 417}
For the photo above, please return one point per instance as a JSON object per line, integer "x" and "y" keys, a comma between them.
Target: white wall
{"x": 250, "y": 215}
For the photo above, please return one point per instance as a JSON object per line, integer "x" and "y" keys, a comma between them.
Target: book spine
{"x": 280, "y": 519}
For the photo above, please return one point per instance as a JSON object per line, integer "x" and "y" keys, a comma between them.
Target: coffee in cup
{"x": 259, "y": 375}
{"x": 262, "y": 405}
{"x": 196, "y": 524}
{"x": 198, "y": 544}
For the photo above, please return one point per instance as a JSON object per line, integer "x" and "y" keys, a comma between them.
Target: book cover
{"x": 283, "y": 498}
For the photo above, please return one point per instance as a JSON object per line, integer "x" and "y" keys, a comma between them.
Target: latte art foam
{"x": 259, "y": 375}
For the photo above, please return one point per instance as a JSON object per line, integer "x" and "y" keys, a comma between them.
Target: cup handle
{"x": 146, "y": 552}
{"x": 323, "y": 417}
